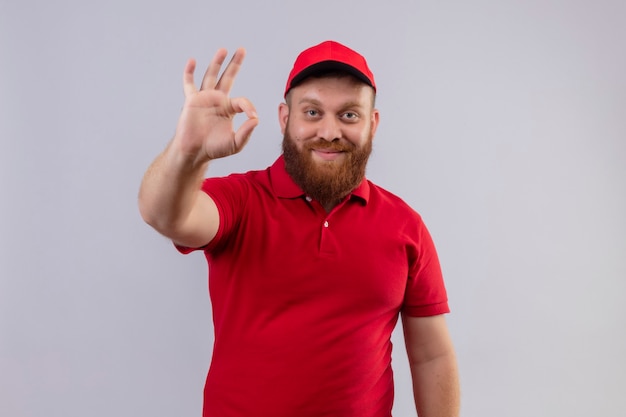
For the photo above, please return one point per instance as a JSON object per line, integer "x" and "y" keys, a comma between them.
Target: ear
{"x": 283, "y": 116}
{"x": 375, "y": 118}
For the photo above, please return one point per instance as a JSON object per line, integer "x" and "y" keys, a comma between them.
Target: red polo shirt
{"x": 304, "y": 301}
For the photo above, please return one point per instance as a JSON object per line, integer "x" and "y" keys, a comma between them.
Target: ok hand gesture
{"x": 205, "y": 128}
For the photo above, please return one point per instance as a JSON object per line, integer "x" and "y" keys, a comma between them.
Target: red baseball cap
{"x": 328, "y": 56}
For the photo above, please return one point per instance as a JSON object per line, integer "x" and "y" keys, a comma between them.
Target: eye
{"x": 349, "y": 115}
{"x": 312, "y": 113}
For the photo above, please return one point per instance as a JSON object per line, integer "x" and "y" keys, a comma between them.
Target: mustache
{"x": 323, "y": 145}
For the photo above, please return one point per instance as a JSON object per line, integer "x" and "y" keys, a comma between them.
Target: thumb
{"x": 242, "y": 135}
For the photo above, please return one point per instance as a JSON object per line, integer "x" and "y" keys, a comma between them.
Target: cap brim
{"x": 327, "y": 66}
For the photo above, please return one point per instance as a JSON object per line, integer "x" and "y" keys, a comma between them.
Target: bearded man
{"x": 310, "y": 264}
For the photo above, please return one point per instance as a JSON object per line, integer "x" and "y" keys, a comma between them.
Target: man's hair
{"x": 330, "y": 74}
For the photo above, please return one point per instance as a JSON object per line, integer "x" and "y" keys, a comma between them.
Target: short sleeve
{"x": 426, "y": 294}
{"x": 229, "y": 194}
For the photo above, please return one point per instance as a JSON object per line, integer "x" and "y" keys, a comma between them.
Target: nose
{"x": 329, "y": 129}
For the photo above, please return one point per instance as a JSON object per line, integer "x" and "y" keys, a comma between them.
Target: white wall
{"x": 503, "y": 123}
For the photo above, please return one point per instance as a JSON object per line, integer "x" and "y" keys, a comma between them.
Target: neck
{"x": 330, "y": 206}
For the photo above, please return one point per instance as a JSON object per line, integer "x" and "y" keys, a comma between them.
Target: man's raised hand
{"x": 205, "y": 128}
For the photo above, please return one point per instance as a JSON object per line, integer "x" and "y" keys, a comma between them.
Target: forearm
{"x": 170, "y": 196}
{"x": 436, "y": 387}
{"x": 169, "y": 189}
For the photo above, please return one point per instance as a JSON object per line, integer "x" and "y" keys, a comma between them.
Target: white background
{"x": 502, "y": 122}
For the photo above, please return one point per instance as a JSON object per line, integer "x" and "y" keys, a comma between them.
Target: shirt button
{"x": 309, "y": 199}
{"x": 326, "y": 224}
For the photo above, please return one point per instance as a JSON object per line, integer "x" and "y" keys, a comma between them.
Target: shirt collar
{"x": 285, "y": 187}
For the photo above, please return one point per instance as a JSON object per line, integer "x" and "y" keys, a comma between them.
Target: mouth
{"x": 327, "y": 154}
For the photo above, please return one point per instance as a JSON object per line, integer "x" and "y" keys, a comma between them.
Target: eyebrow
{"x": 306, "y": 100}
{"x": 316, "y": 102}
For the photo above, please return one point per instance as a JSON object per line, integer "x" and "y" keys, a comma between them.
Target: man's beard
{"x": 326, "y": 181}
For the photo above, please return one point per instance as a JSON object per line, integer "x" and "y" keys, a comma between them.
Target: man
{"x": 310, "y": 264}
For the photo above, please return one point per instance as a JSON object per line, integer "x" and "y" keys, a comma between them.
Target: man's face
{"x": 328, "y": 126}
